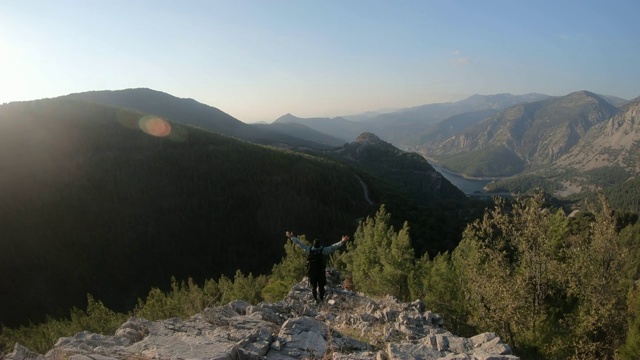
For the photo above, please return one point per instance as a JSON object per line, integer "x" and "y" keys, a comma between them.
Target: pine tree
{"x": 631, "y": 348}
{"x": 379, "y": 260}
{"x": 595, "y": 273}
{"x": 286, "y": 273}
{"x": 439, "y": 285}
{"x": 509, "y": 261}
{"x": 548, "y": 288}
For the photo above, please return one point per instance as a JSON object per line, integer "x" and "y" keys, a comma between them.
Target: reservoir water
{"x": 468, "y": 186}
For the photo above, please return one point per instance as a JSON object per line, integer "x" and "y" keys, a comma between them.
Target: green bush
{"x": 41, "y": 337}
{"x": 286, "y": 273}
{"x": 380, "y": 260}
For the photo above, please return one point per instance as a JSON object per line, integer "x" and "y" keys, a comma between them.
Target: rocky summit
{"x": 348, "y": 325}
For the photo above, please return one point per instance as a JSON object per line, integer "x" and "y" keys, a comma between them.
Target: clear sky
{"x": 260, "y": 59}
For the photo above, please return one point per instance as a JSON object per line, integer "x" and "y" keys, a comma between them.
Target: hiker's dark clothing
{"x": 317, "y": 276}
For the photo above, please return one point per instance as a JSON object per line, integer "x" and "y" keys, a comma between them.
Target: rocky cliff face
{"x": 538, "y": 132}
{"x": 347, "y": 326}
{"x": 613, "y": 142}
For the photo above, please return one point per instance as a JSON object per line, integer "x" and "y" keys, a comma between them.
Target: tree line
{"x": 552, "y": 286}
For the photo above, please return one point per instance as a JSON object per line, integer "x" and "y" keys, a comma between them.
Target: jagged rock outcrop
{"x": 348, "y": 326}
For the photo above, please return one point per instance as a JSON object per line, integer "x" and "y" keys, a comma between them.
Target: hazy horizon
{"x": 259, "y": 60}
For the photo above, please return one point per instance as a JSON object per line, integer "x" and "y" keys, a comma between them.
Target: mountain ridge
{"x": 188, "y": 111}
{"x": 610, "y": 142}
{"x": 400, "y": 126}
{"x": 604, "y": 160}
{"x": 538, "y": 132}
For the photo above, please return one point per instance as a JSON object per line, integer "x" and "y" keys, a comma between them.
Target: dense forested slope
{"x": 406, "y": 170}
{"x": 91, "y": 203}
{"x": 414, "y": 191}
{"x": 110, "y": 202}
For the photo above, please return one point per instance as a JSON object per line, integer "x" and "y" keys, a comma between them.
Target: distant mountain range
{"x": 483, "y": 135}
{"x": 606, "y": 158}
{"x": 405, "y": 127}
{"x": 528, "y": 134}
{"x": 570, "y": 144}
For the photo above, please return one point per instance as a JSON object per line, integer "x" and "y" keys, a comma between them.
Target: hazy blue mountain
{"x": 337, "y": 127}
{"x": 452, "y": 125}
{"x": 614, "y": 100}
{"x": 303, "y": 132}
{"x": 402, "y": 127}
{"x": 367, "y": 115}
{"x": 399, "y": 127}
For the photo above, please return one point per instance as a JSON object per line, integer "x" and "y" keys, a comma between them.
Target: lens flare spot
{"x": 155, "y": 126}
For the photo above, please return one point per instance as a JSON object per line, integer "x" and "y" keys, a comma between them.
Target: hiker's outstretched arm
{"x": 297, "y": 241}
{"x": 329, "y": 249}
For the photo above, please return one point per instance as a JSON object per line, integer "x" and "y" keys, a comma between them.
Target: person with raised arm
{"x": 316, "y": 263}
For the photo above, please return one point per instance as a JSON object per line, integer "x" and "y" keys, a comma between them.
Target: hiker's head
{"x": 316, "y": 243}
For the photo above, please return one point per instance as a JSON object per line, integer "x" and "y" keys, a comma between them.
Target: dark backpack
{"x": 315, "y": 260}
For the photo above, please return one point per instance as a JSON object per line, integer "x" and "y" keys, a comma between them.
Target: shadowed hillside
{"x": 93, "y": 204}
{"x": 111, "y": 202}
{"x": 435, "y": 206}
{"x": 406, "y": 170}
